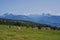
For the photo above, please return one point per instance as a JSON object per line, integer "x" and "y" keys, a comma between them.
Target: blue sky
{"x": 26, "y": 7}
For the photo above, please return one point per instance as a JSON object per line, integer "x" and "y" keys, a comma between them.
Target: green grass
{"x": 27, "y": 34}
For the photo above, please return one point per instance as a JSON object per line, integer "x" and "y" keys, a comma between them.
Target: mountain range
{"x": 42, "y": 19}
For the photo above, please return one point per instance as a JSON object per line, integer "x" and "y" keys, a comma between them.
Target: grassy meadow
{"x": 27, "y": 34}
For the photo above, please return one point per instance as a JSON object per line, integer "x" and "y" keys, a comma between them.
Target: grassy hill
{"x": 27, "y": 30}
{"x": 27, "y": 34}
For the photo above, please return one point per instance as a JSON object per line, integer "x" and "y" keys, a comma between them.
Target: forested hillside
{"x": 25, "y": 23}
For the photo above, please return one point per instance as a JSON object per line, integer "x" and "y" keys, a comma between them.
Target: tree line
{"x": 26, "y": 23}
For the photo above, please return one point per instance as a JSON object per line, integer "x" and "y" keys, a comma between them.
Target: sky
{"x": 28, "y": 7}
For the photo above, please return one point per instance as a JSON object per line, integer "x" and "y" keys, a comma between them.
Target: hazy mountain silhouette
{"x": 15, "y": 17}
{"x": 44, "y": 18}
{"x": 47, "y": 19}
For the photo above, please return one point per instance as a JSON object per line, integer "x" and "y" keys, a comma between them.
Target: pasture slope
{"x": 27, "y": 34}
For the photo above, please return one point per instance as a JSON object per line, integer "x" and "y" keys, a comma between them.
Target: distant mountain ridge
{"x": 15, "y": 17}
{"x": 43, "y": 19}
{"x": 48, "y": 19}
